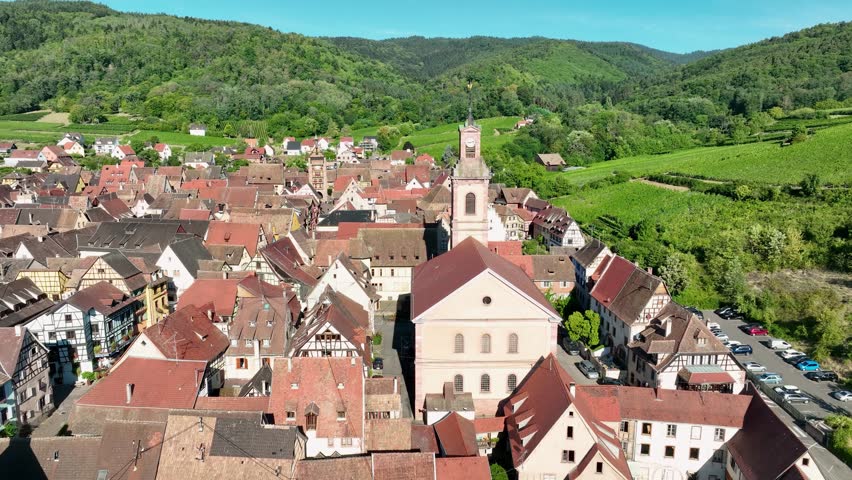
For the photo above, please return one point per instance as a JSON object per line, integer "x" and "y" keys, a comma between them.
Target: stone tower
{"x": 318, "y": 174}
{"x": 470, "y": 187}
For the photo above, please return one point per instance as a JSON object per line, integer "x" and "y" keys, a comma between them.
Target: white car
{"x": 712, "y": 325}
{"x": 787, "y": 390}
{"x": 722, "y": 336}
{"x": 777, "y": 344}
{"x": 754, "y": 367}
{"x": 787, "y": 354}
{"x": 731, "y": 343}
{"x": 842, "y": 395}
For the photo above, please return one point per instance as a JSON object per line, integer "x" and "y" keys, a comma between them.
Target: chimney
{"x": 650, "y": 270}
{"x": 572, "y": 388}
{"x": 210, "y": 314}
{"x": 129, "y": 390}
{"x": 289, "y": 365}
{"x": 668, "y": 327}
{"x": 395, "y": 385}
{"x": 224, "y": 275}
{"x": 17, "y": 330}
{"x": 40, "y": 239}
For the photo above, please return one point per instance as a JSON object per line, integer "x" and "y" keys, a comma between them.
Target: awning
{"x": 705, "y": 375}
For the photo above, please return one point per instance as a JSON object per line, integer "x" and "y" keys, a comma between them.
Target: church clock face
{"x": 470, "y": 142}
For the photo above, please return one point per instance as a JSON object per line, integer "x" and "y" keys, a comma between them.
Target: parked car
{"x": 378, "y": 364}
{"x": 727, "y": 313}
{"x": 698, "y": 313}
{"x": 787, "y": 389}
{"x": 822, "y": 376}
{"x": 790, "y": 353}
{"x": 797, "y": 398}
{"x": 808, "y": 365}
{"x": 571, "y": 346}
{"x": 588, "y": 369}
{"x": 842, "y": 395}
{"x": 796, "y": 359}
{"x": 731, "y": 343}
{"x": 770, "y": 378}
{"x": 756, "y": 331}
{"x": 778, "y": 344}
{"x": 713, "y": 326}
{"x": 722, "y": 336}
{"x": 609, "y": 381}
{"x": 742, "y": 350}
{"x": 754, "y": 367}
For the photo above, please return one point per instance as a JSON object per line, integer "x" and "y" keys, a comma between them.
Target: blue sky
{"x": 677, "y": 26}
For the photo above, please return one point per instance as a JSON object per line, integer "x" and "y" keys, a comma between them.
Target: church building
{"x": 480, "y": 323}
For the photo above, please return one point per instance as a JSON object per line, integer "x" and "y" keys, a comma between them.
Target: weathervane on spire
{"x": 470, "y": 101}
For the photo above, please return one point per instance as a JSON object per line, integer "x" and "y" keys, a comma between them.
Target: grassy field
{"x": 434, "y": 140}
{"x": 182, "y": 139}
{"x": 827, "y": 153}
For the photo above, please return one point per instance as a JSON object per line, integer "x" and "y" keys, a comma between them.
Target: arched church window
{"x": 470, "y": 204}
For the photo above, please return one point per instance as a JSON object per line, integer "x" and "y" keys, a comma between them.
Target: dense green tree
{"x": 388, "y": 137}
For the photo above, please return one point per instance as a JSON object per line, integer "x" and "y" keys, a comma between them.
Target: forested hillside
{"x": 89, "y": 60}
{"x": 808, "y": 68}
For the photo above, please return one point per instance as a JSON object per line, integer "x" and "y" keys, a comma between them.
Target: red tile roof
{"x": 489, "y": 424}
{"x": 699, "y": 378}
{"x": 187, "y": 334}
{"x": 222, "y": 292}
{"x": 439, "y": 277}
{"x": 395, "y": 466}
{"x": 192, "y": 214}
{"x": 507, "y": 248}
{"x": 326, "y": 386}
{"x": 156, "y": 384}
{"x": 456, "y": 436}
{"x": 462, "y": 468}
{"x": 227, "y": 233}
{"x": 613, "y": 280}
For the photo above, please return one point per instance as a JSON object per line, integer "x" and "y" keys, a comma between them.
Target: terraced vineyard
{"x": 827, "y": 153}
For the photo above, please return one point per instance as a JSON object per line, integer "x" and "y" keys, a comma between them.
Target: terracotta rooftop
{"x": 156, "y": 384}
{"x": 462, "y": 468}
{"x": 439, "y": 277}
{"x": 187, "y": 334}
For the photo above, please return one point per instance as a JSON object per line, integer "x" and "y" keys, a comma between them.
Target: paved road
{"x": 396, "y": 344}
{"x": 50, "y": 426}
{"x": 822, "y": 406}
{"x": 569, "y": 363}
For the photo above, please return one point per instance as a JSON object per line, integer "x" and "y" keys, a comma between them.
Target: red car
{"x": 756, "y": 331}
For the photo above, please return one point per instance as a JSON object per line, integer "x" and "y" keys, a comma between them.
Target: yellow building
{"x": 155, "y": 301}
{"x": 51, "y": 282}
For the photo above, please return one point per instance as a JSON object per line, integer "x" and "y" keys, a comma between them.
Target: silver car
{"x": 588, "y": 368}
{"x": 754, "y": 367}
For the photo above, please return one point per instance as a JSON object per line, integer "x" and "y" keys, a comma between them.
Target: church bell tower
{"x": 470, "y": 185}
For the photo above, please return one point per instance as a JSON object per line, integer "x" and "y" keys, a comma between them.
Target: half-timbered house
{"x": 66, "y": 331}
{"x": 336, "y": 326}
{"x": 627, "y": 298}
{"x": 111, "y": 315}
{"x": 25, "y": 387}
{"x": 677, "y": 351}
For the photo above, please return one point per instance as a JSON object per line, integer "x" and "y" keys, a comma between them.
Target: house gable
{"x": 468, "y": 302}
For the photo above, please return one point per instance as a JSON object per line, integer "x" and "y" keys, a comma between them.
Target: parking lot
{"x": 822, "y": 404}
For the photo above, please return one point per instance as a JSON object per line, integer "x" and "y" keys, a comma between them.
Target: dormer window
{"x": 294, "y": 386}
{"x": 248, "y": 342}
